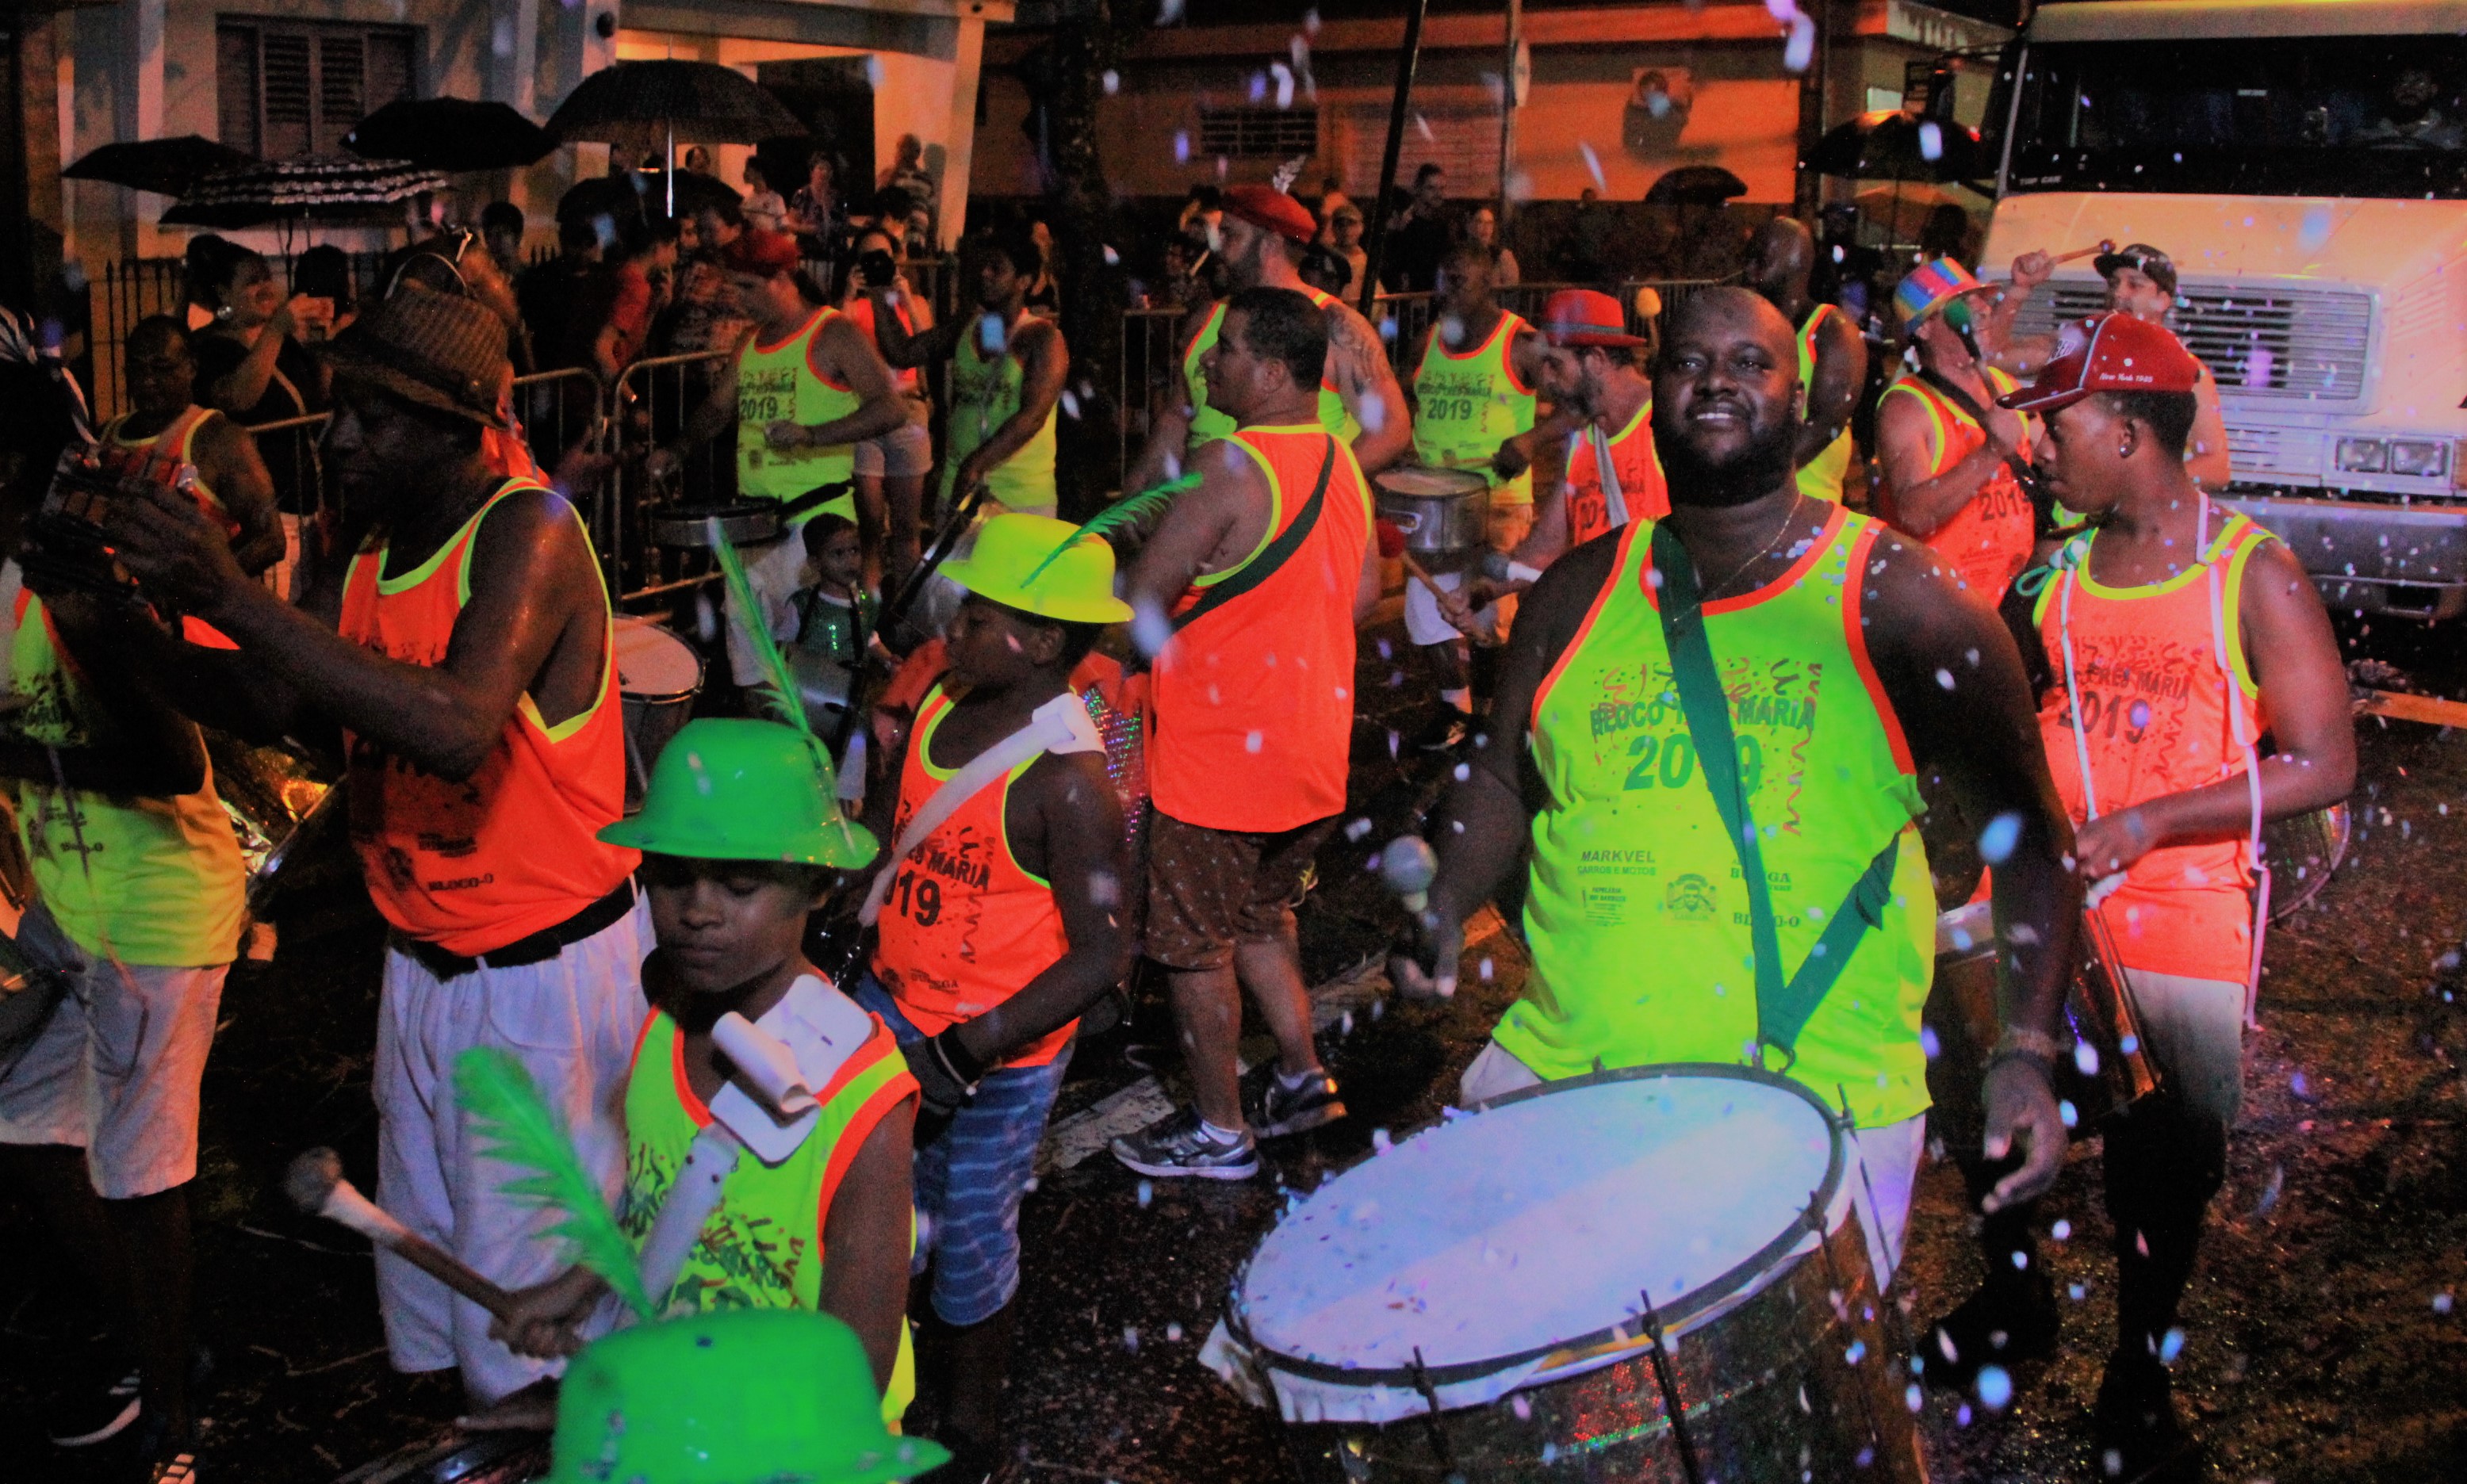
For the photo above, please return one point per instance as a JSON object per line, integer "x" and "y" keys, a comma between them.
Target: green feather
{"x": 513, "y": 1124}
{"x": 1117, "y": 515}
{"x": 743, "y": 612}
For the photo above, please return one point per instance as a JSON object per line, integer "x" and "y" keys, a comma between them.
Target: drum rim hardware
{"x": 1705, "y": 1297}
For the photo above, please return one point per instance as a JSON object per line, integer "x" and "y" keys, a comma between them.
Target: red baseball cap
{"x": 2107, "y": 353}
{"x": 761, "y": 252}
{"x": 1585, "y": 317}
{"x": 1272, "y": 210}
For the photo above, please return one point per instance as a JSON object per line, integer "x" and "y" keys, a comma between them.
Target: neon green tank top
{"x": 763, "y": 1248}
{"x": 984, "y": 394}
{"x": 1208, "y": 424}
{"x": 1820, "y": 477}
{"x": 1466, "y": 406}
{"x": 144, "y": 880}
{"x": 1637, "y": 919}
{"x": 777, "y": 382}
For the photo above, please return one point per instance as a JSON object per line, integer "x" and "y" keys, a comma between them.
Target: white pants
{"x": 2196, "y": 1033}
{"x": 774, "y": 572}
{"x": 571, "y": 1021}
{"x": 1884, "y": 1160}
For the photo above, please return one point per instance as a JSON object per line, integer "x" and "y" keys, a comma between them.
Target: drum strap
{"x": 1274, "y": 555}
{"x": 1783, "y": 1009}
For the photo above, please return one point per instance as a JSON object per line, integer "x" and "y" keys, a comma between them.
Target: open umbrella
{"x": 1695, "y": 185}
{"x": 651, "y": 106}
{"x": 166, "y": 166}
{"x": 449, "y": 134}
{"x": 1889, "y": 145}
{"x": 324, "y": 187}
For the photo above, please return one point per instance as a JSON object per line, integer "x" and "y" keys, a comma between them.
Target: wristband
{"x": 1518, "y": 572}
{"x": 2020, "y": 1041}
{"x": 2046, "y": 1065}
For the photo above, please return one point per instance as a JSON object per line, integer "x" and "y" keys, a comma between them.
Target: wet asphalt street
{"x": 2321, "y": 1344}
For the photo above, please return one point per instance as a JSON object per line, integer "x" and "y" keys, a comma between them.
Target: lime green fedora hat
{"x": 730, "y": 789}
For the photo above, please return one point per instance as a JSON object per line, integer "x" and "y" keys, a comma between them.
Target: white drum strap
{"x": 2246, "y": 743}
{"x": 1608, "y": 473}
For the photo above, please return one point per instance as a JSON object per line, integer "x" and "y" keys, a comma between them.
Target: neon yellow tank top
{"x": 144, "y": 880}
{"x": 1466, "y": 406}
{"x": 1208, "y": 424}
{"x": 1820, "y": 477}
{"x": 984, "y": 394}
{"x": 777, "y": 382}
{"x": 763, "y": 1248}
{"x": 1637, "y": 919}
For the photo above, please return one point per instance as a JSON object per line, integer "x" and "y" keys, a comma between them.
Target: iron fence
{"x": 129, "y": 289}
{"x": 649, "y": 409}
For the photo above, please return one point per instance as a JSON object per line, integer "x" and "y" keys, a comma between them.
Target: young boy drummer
{"x": 1000, "y": 920}
{"x": 740, "y": 835}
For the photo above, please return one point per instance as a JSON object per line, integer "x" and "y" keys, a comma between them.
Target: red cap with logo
{"x": 1272, "y": 210}
{"x": 757, "y": 250}
{"x": 2107, "y": 353}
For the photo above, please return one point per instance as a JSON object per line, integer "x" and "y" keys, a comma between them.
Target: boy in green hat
{"x": 741, "y": 835}
{"x": 1000, "y": 918}
{"x": 725, "y": 1398}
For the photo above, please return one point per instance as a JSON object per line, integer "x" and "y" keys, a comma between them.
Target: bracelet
{"x": 2018, "y": 1041}
{"x": 2046, "y": 1065}
{"x": 956, "y": 1059}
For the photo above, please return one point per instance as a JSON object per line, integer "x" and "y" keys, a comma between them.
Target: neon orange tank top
{"x": 1254, "y": 700}
{"x": 473, "y": 865}
{"x": 1642, "y": 489}
{"x": 965, "y": 925}
{"x": 2151, "y": 664}
{"x": 1988, "y": 541}
{"x": 860, "y": 309}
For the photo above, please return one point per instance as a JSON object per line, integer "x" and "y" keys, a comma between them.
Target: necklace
{"x": 1722, "y": 588}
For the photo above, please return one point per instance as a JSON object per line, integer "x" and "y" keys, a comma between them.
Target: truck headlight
{"x": 2362, "y": 454}
{"x": 2424, "y": 457}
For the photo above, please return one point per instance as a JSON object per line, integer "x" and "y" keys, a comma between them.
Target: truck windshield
{"x": 2326, "y": 116}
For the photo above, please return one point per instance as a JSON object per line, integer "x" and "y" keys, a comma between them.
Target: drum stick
{"x": 2103, "y": 246}
{"x": 2432, "y": 711}
{"x": 316, "y": 1185}
{"x": 1391, "y": 543}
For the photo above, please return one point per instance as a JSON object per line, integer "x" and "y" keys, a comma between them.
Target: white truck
{"x": 2305, "y": 163}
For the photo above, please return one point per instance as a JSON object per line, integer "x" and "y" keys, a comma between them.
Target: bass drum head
{"x": 654, "y": 664}
{"x": 1482, "y": 1243}
{"x": 1422, "y": 483}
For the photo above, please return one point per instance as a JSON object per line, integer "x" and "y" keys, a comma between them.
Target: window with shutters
{"x": 290, "y": 87}
{"x": 1258, "y": 133}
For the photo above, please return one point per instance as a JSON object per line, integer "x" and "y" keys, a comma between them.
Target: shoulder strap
{"x": 1783, "y": 1009}
{"x": 1969, "y": 407}
{"x": 1274, "y": 555}
{"x": 1060, "y": 724}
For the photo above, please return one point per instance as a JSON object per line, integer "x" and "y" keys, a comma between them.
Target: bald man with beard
{"x": 1832, "y": 358}
{"x": 1829, "y": 638}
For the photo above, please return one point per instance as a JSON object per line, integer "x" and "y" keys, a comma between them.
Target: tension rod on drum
{"x": 1430, "y": 1419}
{"x": 1833, "y": 1275}
{"x": 1672, "y": 1406}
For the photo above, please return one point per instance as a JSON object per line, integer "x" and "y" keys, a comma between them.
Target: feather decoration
{"x": 1289, "y": 171}
{"x": 742, "y": 612}
{"x": 1119, "y": 515}
{"x": 513, "y": 1124}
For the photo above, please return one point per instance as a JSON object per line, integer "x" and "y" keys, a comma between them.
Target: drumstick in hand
{"x": 315, "y": 1184}
{"x": 2104, "y": 246}
{"x": 1392, "y": 547}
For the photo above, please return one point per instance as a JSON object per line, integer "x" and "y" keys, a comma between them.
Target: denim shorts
{"x": 971, "y": 1177}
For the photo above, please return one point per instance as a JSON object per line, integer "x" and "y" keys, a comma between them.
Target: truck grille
{"x": 2301, "y": 343}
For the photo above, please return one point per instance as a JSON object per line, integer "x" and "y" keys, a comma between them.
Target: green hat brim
{"x": 995, "y": 587}
{"x": 845, "y": 849}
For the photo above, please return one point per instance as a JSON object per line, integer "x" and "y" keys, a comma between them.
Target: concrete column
{"x": 960, "y": 137}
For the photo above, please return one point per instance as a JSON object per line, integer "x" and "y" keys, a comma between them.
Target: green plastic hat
{"x": 728, "y": 790}
{"x": 1075, "y": 587}
{"x": 739, "y": 1396}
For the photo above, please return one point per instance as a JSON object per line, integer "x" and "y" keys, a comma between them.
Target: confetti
{"x": 1995, "y": 1387}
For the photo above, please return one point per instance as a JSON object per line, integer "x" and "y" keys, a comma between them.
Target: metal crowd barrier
{"x": 652, "y": 401}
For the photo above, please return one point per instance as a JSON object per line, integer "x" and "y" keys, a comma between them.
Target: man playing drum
{"x": 2175, "y": 634}
{"x": 1358, "y": 400}
{"x": 1814, "y": 634}
{"x": 464, "y": 651}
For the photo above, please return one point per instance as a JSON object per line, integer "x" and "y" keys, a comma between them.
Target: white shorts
{"x": 115, "y": 1070}
{"x": 1884, "y": 1160}
{"x": 905, "y": 452}
{"x": 775, "y": 571}
{"x": 571, "y": 1021}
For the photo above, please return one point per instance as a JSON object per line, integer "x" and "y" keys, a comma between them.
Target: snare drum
{"x": 1469, "y": 1303}
{"x": 1442, "y": 512}
{"x": 658, "y": 676}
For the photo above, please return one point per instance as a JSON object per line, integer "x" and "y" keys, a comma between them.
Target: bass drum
{"x": 658, "y": 676}
{"x": 1469, "y": 1304}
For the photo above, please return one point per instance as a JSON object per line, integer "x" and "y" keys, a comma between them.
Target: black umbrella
{"x": 166, "y": 166}
{"x": 1889, "y": 145}
{"x": 651, "y": 106}
{"x": 449, "y": 134}
{"x": 1695, "y": 185}
{"x": 695, "y": 191}
{"x": 324, "y": 187}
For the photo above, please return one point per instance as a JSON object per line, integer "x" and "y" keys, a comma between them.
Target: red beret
{"x": 761, "y": 252}
{"x": 1266, "y": 207}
